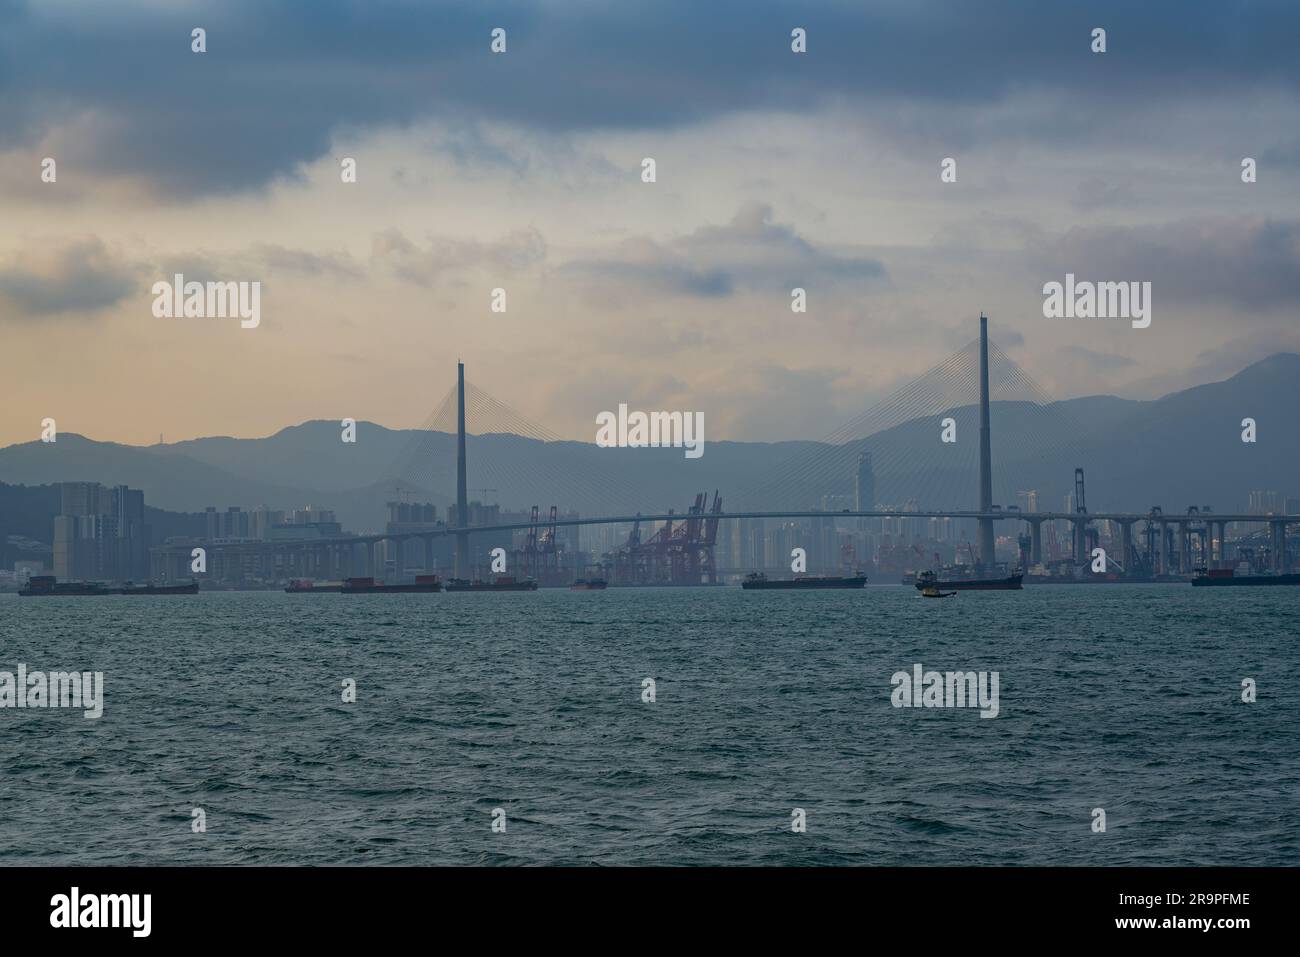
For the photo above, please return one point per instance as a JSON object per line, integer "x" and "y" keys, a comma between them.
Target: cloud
{"x": 78, "y": 277}
{"x": 1100, "y": 362}
{"x": 276, "y": 257}
{"x": 1098, "y": 193}
{"x": 258, "y": 261}
{"x": 438, "y": 257}
{"x": 750, "y": 253}
{"x": 1249, "y": 263}
{"x": 281, "y": 78}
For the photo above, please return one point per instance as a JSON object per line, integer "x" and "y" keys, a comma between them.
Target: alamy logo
{"x": 212, "y": 300}
{"x": 952, "y": 689}
{"x": 639, "y": 430}
{"x": 1098, "y": 300}
{"x": 58, "y": 689}
{"x": 103, "y": 910}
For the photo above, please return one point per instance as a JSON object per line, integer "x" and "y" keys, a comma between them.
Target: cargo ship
{"x": 190, "y": 587}
{"x": 1226, "y": 576}
{"x": 368, "y": 586}
{"x": 589, "y": 584}
{"x": 49, "y": 586}
{"x": 929, "y": 580}
{"x": 499, "y": 584}
{"x": 759, "y": 581}
{"x": 300, "y": 585}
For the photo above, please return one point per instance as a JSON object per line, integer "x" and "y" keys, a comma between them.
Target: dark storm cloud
{"x": 80, "y": 277}
{"x": 84, "y": 276}
{"x": 279, "y": 78}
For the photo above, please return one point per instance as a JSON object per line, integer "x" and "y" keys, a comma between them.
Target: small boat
{"x": 929, "y": 579}
{"x": 759, "y": 581}
{"x": 932, "y": 592}
{"x": 589, "y": 584}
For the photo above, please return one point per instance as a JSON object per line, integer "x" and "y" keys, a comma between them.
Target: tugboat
{"x": 589, "y": 584}
{"x": 932, "y": 591}
{"x": 757, "y": 580}
{"x": 929, "y": 580}
{"x": 502, "y": 583}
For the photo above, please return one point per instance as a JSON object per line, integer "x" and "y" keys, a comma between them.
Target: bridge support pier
{"x": 397, "y": 547}
{"x": 1278, "y": 542}
{"x": 1126, "y": 546}
{"x": 1036, "y": 542}
{"x": 462, "y": 494}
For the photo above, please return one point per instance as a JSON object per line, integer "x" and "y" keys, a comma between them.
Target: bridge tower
{"x": 462, "y": 492}
{"x": 986, "y": 457}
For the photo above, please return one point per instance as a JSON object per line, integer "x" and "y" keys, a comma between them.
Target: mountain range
{"x": 1182, "y": 449}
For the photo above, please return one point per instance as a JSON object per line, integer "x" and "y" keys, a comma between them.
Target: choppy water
{"x": 1126, "y": 698}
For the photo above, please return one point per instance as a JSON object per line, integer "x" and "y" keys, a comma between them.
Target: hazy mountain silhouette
{"x": 1182, "y": 449}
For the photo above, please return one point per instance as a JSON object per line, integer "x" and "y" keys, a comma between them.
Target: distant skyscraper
{"x": 1263, "y": 503}
{"x": 865, "y": 484}
{"x": 80, "y": 498}
{"x": 131, "y": 559}
{"x": 100, "y": 532}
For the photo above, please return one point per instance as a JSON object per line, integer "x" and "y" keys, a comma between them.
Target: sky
{"x": 522, "y": 171}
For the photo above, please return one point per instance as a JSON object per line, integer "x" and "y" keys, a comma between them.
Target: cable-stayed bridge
{"x": 931, "y": 450}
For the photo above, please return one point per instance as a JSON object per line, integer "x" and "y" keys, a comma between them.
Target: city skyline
{"x": 250, "y": 547}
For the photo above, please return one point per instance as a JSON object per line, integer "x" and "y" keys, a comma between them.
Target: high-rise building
{"x": 233, "y": 524}
{"x": 82, "y": 498}
{"x": 131, "y": 536}
{"x": 262, "y": 519}
{"x": 1263, "y": 503}
{"x": 405, "y": 513}
{"x": 864, "y": 484}
{"x": 100, "y": 533}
